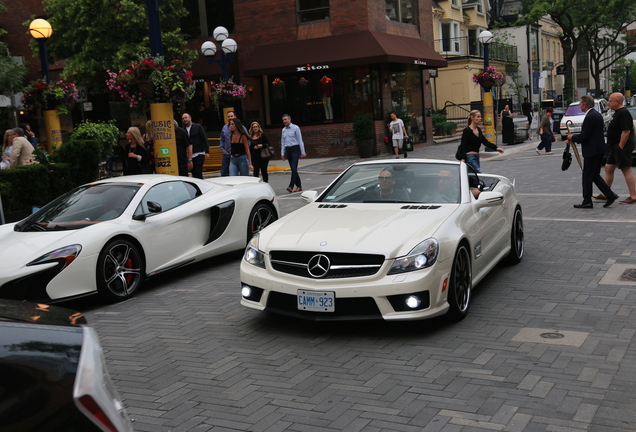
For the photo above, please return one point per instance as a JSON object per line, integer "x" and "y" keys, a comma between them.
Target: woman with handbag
{"x": 545, "y": 132}
{"x": 262, "y": 152}
{"x": 472, "y": 139}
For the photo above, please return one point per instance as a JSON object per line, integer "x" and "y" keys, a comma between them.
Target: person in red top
{"x": 326, "y": 92}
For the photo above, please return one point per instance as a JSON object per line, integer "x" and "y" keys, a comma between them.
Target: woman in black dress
{"x": 258, "y": 141}
{"x": 136, "y": 155}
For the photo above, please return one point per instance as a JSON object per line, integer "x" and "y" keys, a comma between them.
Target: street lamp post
{"x": 41, "y": 30}
{"x": 628, "y": 92}
{"x": 485, "y": 38}
{"x": 228, "y": 49}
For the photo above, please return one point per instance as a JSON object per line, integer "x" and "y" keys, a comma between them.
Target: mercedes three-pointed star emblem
{"x": 318, "y": 265}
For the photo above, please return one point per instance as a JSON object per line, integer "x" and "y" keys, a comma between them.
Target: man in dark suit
{"x": 593, "y": 149}
{"x": 200, "y": 145}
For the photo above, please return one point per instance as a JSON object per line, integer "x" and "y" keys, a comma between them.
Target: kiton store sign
{"x": 419, "y": 62}
{"x": 311, "y": 68}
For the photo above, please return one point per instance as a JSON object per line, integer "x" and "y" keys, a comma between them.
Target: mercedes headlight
{"x": 253, "y": 255}
{"x": 422, "y": 256}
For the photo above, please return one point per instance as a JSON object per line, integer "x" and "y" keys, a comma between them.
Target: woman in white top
{"x": 398, "y": 133}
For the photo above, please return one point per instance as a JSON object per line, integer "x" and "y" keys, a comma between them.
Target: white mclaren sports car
{"x": 107, "y": 237}
{"x": 388, "y": 239}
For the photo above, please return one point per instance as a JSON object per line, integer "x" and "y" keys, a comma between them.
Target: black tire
{"x": 517, "y": 239}
{"x": 261, "y": 216}
{"x": 461, "y": 283}
{"x": 120, "y": 270}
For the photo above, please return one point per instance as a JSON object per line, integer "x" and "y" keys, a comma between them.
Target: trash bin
{"x": 515, "y": 129}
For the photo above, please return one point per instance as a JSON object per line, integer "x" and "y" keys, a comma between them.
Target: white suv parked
{"x": 577, "y": 115}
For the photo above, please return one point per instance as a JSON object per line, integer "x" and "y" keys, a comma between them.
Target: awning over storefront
{"x": 339, "y": 51}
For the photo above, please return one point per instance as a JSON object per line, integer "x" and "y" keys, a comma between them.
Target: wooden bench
{"x": 213, "y": 163}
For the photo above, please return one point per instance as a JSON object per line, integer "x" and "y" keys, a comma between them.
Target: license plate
{"x": 315, "y": 301}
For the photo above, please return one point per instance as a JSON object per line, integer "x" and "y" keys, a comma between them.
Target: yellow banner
{"x": 53, "y": 130}
{"x": 489, "y": 117}
{"x": 166, "y": 161}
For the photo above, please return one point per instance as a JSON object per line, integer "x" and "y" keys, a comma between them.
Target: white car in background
{"x": 351, "y": 255}
{"x": 576, "y": 115}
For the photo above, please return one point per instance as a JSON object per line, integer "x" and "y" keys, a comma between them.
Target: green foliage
{"x": 438, "y": 119}
{"x": 105, "y": 134}
{"x": 363, "y": 126}
{"x": 83, "y": 157}
{"x": 12, "y": 76}
{"x": 24, "y": 186}
{"x": 96, "y": 36}
{"x": 448, "y": 128}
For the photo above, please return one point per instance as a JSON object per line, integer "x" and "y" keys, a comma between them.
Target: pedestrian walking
{"x": 200, "y": 145}
{"x": 545, "y": 132}
{"x": 292, "y": 148}
{"x": 472, "y": 139}
{"x": 259, "y": 141}
{"x": 621, "y": 142}
{"x": 593, "y": 149}
{"x": 241, "y": 159}
{"x": 398, "y": 133}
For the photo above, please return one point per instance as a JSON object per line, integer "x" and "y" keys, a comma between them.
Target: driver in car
{"x": 386, "y": 190}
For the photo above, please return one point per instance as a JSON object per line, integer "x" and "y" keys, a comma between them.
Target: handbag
{"x": 460, "y": 153}
{"x": 267, "y": 152}
{"x": 567, "y": 158}
{"x": 553, "y": 139}
{"x": 408, "y": 144}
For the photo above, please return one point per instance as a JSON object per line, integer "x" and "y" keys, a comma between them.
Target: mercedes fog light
{"x": 246, "y": 291}
{"x": 413, "y": 302}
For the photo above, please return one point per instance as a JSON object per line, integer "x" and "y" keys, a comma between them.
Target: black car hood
{"x": 38, "y": 313}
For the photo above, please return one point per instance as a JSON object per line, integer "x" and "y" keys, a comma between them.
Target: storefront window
{"x": 406, "y": 90}
{"x": 322, "y": 96}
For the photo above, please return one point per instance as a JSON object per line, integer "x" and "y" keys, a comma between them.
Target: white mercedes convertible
{"x": 107, "y": 237}
{"x": 392, "y": 239}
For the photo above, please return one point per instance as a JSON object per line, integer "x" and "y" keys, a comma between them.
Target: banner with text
{"x": 165, "y": 146}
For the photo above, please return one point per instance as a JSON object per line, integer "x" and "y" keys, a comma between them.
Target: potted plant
{"x": 226, "y": 91}
{"x": 364, "y": 133}
{"x": 49, "y": 95}
{"x": 448, "y": 128}
{"x": 489, "y": 77}
{"x": 150, "y": 80}
{"x": 438, "y": 120}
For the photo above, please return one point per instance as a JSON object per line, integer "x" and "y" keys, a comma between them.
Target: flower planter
{"x": 365, "y": 148}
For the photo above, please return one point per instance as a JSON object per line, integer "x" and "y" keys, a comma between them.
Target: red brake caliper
{"x": 128, "y": 276}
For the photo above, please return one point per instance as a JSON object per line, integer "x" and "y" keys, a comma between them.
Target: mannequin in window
{"x": 279, "y": 94}
{"x": 304, "y": 93}
{"x": 326, "y": 92}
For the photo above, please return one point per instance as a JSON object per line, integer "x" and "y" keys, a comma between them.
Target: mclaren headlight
{"x": 253, "y": 255}
{"x": 63, "y": 256}
{"x": 422, "y": 256}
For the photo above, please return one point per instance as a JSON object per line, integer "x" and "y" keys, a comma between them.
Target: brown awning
{"x": 341, "y": 50}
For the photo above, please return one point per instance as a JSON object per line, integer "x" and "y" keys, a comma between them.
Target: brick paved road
{"x": 187, "y": 357}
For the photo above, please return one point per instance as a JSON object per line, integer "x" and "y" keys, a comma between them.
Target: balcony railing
{"x": 463, "y": 47}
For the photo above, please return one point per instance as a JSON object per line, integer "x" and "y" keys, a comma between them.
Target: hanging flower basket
{"x": 149, "y": 80}
{"x": 226, "y": 92}
{"x": 489, "y": 77}
{"x": 58, "y": 95}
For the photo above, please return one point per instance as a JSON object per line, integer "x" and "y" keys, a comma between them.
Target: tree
{"x": 606, "y": 38}
{"x": 12, "y": 73}
{"x": 99, "y": 35}
{"x": 570, "y": 19}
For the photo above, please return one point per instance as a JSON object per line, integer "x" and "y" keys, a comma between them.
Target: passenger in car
{"x": 386, "y": 190}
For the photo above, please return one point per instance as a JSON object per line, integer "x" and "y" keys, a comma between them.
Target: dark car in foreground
{"x": 53, "y": 375}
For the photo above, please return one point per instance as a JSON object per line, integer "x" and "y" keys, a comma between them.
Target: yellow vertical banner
{"x": 489, "y": 117}
{"x": 165, "y": 141}
{"x": 53, "y": 130}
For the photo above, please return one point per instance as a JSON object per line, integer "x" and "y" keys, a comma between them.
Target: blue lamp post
{"x": 154, "y": 24}
{"x": 485, "y": 38}
{"x": 228, "y": 49}
{"x": 41, "y": 30}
